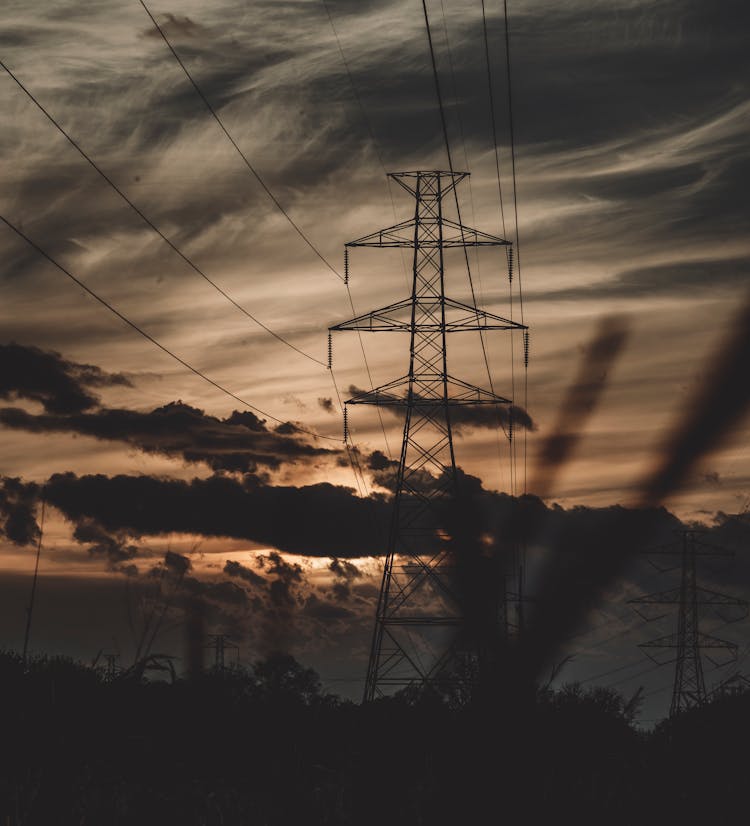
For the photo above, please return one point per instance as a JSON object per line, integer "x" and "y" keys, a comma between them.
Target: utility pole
{"x": 689, "y": 687}
{"x": 431, "y": 621}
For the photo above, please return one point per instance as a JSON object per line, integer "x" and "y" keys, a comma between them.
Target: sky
{"x": 631, "y": 170}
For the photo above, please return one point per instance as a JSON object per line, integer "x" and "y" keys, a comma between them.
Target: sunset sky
{"x": 632, "y": 169}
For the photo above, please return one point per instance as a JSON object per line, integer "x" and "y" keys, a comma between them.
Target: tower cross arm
{"x": 703, "y": 596}
{"x": 453, "y": 235}
{"x": 470, "y": 237}
{"x": 396, "y": 394}
{"x": 459, "y": 317}
{"x": 381, "y": 320}
{"x": 399, "y": 235}
{"x": 674, "y": 548}
{"x": 701, "y": 640}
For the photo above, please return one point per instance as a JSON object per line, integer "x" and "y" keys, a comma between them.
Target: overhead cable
{"x": 511, "y": 131}
{"x": 150, "y": 223}
{"x": 455, "y": 193}
{"x": 252, "y": 169}
{"x": 257, "y": 176}
{"x": 153, "y": 340}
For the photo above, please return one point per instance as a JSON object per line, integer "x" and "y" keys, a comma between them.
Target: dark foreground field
{"x": 265, "y": 746}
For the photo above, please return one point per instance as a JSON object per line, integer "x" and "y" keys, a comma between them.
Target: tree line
{"x": 266, "y": 745}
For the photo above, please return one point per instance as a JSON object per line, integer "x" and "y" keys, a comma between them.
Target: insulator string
{"x": 510, "y": 264}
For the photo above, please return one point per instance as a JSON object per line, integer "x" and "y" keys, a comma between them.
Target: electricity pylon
{"x": 220, "y": 644}
{"x": 689, "y": 687}
{"x": 112, "y": 669}
{"x": 425, "y": 628}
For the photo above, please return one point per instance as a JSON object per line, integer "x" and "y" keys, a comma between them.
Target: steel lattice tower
{"x": 112, "y": 669}
{"x": 689, "y": 687}
{"x": 421, "y": 619}
{"x": 220, "y": 644}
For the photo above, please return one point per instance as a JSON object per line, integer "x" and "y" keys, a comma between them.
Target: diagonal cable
{"x": 148, "y": 221}
{"x": 260, "y": 180}
{"x": 153, "y": 340}
{"x": 450, "y": 167}
{"x": 252, "y": 169}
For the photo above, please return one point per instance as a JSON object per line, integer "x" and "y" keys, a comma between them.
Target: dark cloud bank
{"x": 316, "y": 520}
{"x": 241, "y": 442}
{"x": 467, "y": 416}
{"x": 275, "y": 604}
{"x": 59, "y": 385}
{"x": 238, "y": 501}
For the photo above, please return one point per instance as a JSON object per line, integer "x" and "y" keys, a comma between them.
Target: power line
{"x": 154, "y": 341}
{"x": 356, "y": 466}
{"x": 437, "y": 87}
{"x": 455, "y": 193}
{"x": 368, "y": 122}
{"x": 189, "y": 262}
{"x": 355, "y": 93}
{"x": 351, "y": 451}
{"x": 369, "y": 374}
{"x": 252, "y": 169}
{"x": 633, "y": 676}
{"x": 260, "y": 180}
{"x": 145, "y": 218}
{"x": 456, "y": 108}
{"x": 150, "y": 223}
{"x": 493, "y": 121}
{"x": 511, "y": 132}
{"x": 613, "y": 671}
{"x": 476, "y": 249}
{"x": 346, "y": 441}
{"x": 492, "y": 118}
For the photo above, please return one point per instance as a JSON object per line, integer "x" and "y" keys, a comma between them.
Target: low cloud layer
{"x": 61, "y": 386}
{"x": 241, "y": 442}
{"x": 316, "y": 520}
{"x": 468, "y": 416}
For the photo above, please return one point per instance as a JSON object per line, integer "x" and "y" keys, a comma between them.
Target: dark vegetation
{"x": 265, "y": 745}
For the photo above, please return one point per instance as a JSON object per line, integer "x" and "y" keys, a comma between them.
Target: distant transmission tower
{"x": 423, "y": 621}
{"x": 112, "y": 669}
{"x": 220, "y": 644}
{"x": 689, "y": 688}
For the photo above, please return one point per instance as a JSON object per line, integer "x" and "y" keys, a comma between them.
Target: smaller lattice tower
{"x": 112, "y": 669}
{"x": 689, "y": 641}
{"x": 221, "y": 645}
